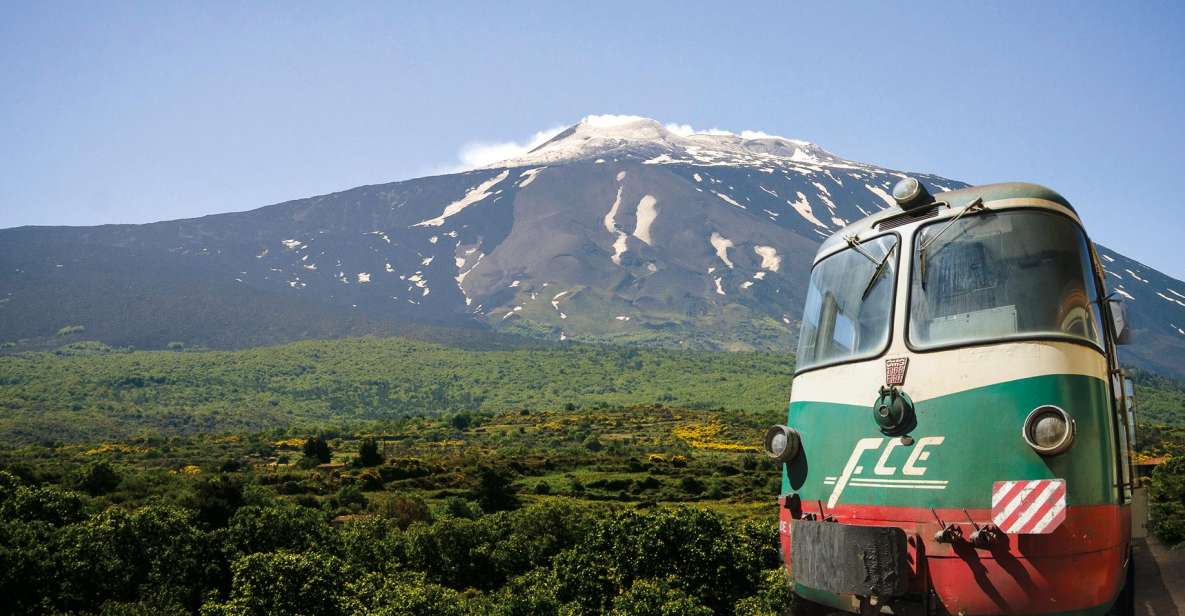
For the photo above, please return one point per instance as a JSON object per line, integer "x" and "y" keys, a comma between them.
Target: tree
{"x": 461, "y": 421}
{"x": 318, "y": 449}
{"x": 98, "y": 478}
{"x": 495, "y": 492}
{"x": 656, "y": 598}
{"x": 266, "y": 529}
{"x": 283, "y": 582}
{"x": 216, "y": 499}
{"x": 1167, "y": 495}
{"x": 368, "y": 453}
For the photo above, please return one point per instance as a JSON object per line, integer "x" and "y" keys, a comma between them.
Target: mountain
{"x": 617, "y": 229}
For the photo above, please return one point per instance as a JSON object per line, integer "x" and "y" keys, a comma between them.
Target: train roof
{"x": 954, "y": 199}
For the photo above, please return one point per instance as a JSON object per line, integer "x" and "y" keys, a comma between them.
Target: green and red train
{"x": 959, "y": 430}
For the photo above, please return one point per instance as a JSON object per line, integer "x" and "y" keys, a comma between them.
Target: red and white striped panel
{"x": 1034, "y": 507}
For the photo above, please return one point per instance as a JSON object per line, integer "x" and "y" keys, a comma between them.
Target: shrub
{"x": 277, "y": 527}
{"x": 352, "y": 498}
{"x": 774, "y": 597}
{"x": 43, "y": 504}
{"x": 1166, "y": 495}
{"x": 117, "y": 554}
{"x": 461, "y": 421}
{"x": 656, "y": 598}
{"x": 97, "y": 478}
{"x": 406, "y": 510}
{"x": 495, "y": 491}
{"x": 370, "y": 480}
{"x": 691, "y": 485}
{"x": 216, "y": 499}
{"x": 701, "y": 555}
{"x": 457, "y": 507}
{"x": 285, "y": 583}
{"x": 409, "y": 594}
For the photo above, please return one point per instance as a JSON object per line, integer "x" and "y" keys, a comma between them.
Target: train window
{"x": 849, "y": 304}
{"x": 1009, "y": 274}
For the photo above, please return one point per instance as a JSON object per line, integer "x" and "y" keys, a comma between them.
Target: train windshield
{"x": 849, "y": 304}
{"x": 1000, "y": 275}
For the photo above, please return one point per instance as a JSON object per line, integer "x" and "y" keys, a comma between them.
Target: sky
{"x": 124, "y": 112}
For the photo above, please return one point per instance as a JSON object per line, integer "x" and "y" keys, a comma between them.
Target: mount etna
{"x": 616, "y": 230}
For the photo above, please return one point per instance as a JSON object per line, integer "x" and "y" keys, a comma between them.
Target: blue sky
{"x": 134, "y": 112}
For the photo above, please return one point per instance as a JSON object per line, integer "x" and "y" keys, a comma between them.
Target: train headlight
{"x": 782, "y": 443}
{"x": 910, "y": 193}
{"x": 1049, "y": 430}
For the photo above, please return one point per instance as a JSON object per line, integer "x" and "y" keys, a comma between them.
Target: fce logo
{"x": 883, "y": 474}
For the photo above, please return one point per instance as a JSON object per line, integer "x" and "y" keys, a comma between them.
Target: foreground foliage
{"x": 273, "y": 557}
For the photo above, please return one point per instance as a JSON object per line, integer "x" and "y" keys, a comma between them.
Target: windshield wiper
{"x": 971, "y": 207}
{"x": 876, "y": 274}
{"x": 854, "y": 242}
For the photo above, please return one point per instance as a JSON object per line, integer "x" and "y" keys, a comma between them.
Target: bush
{"x": 406, "y": 510}
{"x": 691, "y": 485}
{"x": 216, "y": 499}
{"x": 593, "y": 444}
{"x": 773, "y": 598}
{"x": 117, "y": 554}
{"x": 277, "y": 527}
{"x": 542, "y": 488}
{"x": 697, "y": 551}
{"x": 495, "y": 491}
{"x": 285, "y": 583}
{"x": 97, "y": 478}
{"x": 352, "y": 498}
{"x": 1166, "y": 495}
{"x": 43, "y": 504}
{"x": 461, "y": 421}
{"x": 370, "y": 480}
{"x": 409, "y": 594}
{"x": 656, "y": 598}
{"x": 457, "y": 507}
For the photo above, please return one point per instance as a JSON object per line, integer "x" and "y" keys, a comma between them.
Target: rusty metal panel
{"x": 838, "y": 558}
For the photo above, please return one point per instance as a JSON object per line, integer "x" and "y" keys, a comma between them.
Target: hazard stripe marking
{"x": 1029, "y": 507}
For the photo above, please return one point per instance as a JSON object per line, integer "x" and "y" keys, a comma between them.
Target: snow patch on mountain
{"x": 769, "y": 257}
{"x": 646, "y": 213}
{"x": 472, "y": 196}
{"x": 529, "y": 176}
{"x": 803, "y": 207}
{"x": 721, "y": 244}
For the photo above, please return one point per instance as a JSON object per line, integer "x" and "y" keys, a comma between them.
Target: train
{"x": 959, "y": 433}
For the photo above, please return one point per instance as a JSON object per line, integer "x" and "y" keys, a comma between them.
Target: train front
{"x": 955, "y": 440}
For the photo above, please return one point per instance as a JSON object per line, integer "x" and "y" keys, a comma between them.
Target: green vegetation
{"x": 671, "y": 515}
{"x": 387, "y": 476}
{"x": 1166, "y": 495}
{"x": 88, "y": 391}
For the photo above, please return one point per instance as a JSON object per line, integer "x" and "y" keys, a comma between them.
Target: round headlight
{"x": 1049, "y": 430}
{"x": 910, "y": 193}
{"x": 782, "y": 443}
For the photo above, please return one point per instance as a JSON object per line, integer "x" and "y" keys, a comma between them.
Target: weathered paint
{"x": 963, "y": 442}
{"x": 971, "y": 404}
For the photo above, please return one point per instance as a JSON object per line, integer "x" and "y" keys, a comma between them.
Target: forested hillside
{"x": 90, "y": 391}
